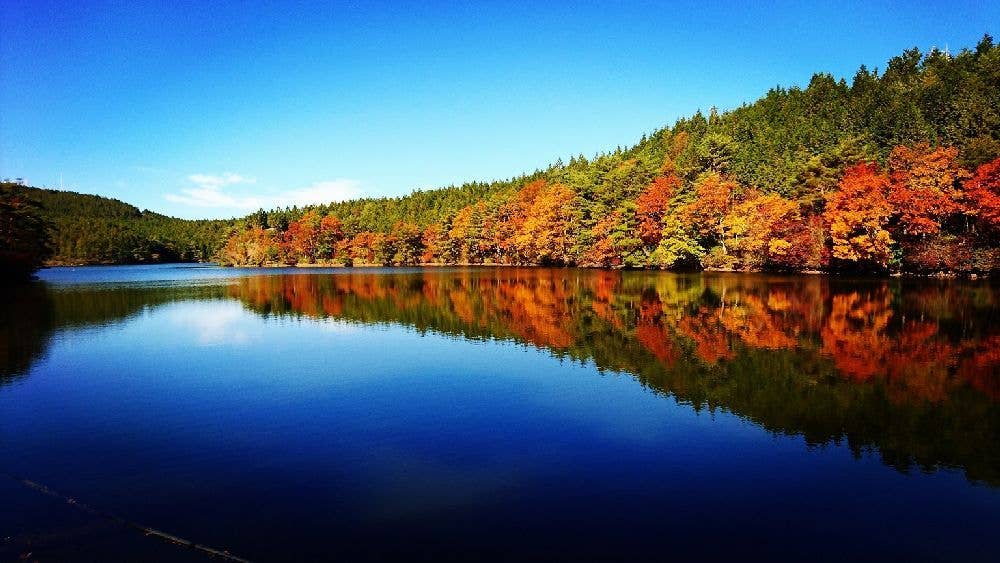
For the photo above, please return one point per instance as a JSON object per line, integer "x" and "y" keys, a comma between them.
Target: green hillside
{"x": 90, "y": 229}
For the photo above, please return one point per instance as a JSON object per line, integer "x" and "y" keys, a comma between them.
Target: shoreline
{"x": 973, "y": 276}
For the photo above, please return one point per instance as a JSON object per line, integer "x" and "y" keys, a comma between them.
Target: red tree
{"x": 652, "y": 204}
{"x": 858, "y": 213}
{"x": 982, "y": 191}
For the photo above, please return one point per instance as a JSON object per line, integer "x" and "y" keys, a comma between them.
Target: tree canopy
{"x": 24, "y": 235}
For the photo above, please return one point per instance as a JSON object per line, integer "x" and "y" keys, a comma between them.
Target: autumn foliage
{"x": 924, "y": 212}
{"x": 859, "y": 213}
{"x": 982, "y": 191}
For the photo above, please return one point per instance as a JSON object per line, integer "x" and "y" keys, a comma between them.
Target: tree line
{"x": 923, "y": 212}
{"x": 897, "y": 171}
{"x": 73, "y": 228}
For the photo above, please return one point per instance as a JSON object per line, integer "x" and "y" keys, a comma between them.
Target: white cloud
{"x": 214, "y": 182}
{"x": 322, "y": 192}
{"x": 209, "y": 192}
{"x": 198, "y": 197}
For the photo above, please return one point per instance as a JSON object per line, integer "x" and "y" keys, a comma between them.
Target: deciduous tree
{"x": 858, "y": 214}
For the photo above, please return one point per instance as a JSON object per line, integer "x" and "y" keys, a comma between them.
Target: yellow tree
{"x": 548, "y": 232}
{"x": 749, "y": 229}
{"x": 713, "y": 195}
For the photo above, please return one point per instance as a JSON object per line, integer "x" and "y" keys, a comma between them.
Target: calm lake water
{"x": 500, "y": 414}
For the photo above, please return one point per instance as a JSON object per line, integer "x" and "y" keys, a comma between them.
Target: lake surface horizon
{"x": 501, "y": 413}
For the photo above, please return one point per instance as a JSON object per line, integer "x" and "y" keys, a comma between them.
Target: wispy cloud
{"x": 229, "y": 191}
{"x": 322, "y": 192}
{"x": 149, "y": 169}
{"x": 214, "y": 182}
{"x": 199, "y": 197}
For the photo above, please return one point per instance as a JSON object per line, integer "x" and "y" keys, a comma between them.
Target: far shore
{"x": 936, "y": 275}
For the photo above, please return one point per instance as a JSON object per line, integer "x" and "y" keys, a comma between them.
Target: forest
{"x": 897, "y": 171}
{"x": 90, "y": 229}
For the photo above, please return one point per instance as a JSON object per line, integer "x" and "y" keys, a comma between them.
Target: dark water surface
{"x": 500, "y": 414}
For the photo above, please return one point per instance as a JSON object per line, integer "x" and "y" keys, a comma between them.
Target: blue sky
{"x": 210, "y": 110}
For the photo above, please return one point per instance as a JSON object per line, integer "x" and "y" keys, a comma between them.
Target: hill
{"x": 90, "y": 229}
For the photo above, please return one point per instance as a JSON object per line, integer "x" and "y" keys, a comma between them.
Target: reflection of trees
{"x": 25, "y": 329}
{"x": 909, "y": 369}
{"x": 30, "y": 314}
{"x": 860, "y": 331}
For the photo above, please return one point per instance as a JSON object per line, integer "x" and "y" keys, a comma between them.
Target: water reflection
{"x": 29, "y": 315}
{"x": 908, "y": 369}
{"x": 922, "y": 341}
{"x": 26, "y": 319}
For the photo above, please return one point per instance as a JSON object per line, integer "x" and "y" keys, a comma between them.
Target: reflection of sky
{"x": 167, "y": 274}
{"x": 198, "y": 412}
{"x": 225, "y": 325}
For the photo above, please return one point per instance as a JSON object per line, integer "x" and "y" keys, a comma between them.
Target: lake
{"x": 481, "y": 413}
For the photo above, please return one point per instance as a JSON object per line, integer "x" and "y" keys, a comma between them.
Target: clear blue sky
{"x": 207, "y": 110}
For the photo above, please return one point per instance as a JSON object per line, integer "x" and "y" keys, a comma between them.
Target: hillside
{"x": 90, "y": 229}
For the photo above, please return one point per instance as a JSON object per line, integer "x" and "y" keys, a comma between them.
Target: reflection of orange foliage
{"x": 758, "y": 317}
{"x": 867, "y": 335}
{"x": 919, "y": 365}
{"x": 916, "y": 362}
{"x": 605, "y": 285}
{"x": 538, "y": 310}
{"x": 755, "y": 325}
{"x": 854, "y": 334}
{"x": 429, "y": 293}
{"x": 981, "y": 369}
{"x": 333, "y": 305}
{"x": 650, "y": 309}
{"x": 462, "y": 305}
{"x": 659, "y": 342}
{"x": 652, "y": 334}
{"x": 708, "y": 334}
